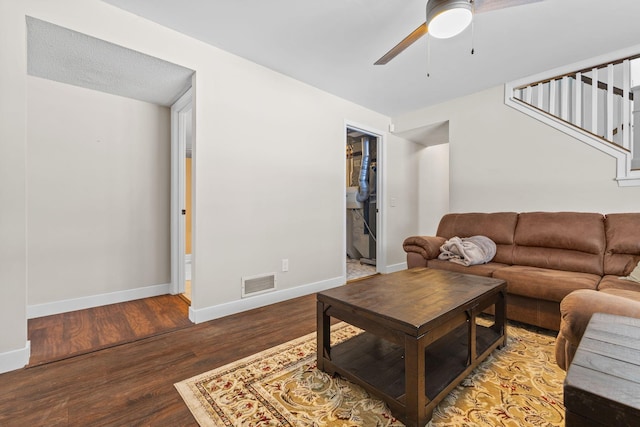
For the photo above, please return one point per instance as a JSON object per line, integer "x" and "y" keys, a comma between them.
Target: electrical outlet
{"x": 285, "y": 264}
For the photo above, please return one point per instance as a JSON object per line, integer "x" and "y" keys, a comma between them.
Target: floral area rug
{"x": 518, "y": 385}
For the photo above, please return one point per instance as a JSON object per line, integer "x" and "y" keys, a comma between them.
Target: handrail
{"x": 604, "y": 86}
{"x": 585, "y": 79}
{"x": 584, "y": 70}
{"x": 614, "y": 62}
{"x": 563, "y": 91}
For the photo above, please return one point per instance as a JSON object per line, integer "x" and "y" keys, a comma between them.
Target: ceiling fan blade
{"x": 405, "y": 43}
{"x": 482, "y": 6}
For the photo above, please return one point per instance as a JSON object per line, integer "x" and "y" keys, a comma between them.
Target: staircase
{"x": 594, "y": 104}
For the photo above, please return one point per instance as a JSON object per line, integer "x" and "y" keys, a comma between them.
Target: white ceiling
{"x": 332, "y": 44}
{"x": 66, "y": 56}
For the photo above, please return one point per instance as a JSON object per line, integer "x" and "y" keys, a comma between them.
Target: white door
{"x": 181, "y": 126}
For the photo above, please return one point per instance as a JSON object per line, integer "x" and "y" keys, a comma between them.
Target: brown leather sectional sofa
{"x": 545, "y": 257}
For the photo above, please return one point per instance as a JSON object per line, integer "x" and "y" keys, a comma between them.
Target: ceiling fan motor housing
{"x": 447, "y": 18}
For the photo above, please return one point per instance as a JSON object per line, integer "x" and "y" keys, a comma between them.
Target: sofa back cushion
{"x": 570, "y": 241}
{"x": 498, "y": 226}
{"x": 623, "y": 243}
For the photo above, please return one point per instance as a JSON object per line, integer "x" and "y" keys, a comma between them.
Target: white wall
{"x": 270, "y": 184}
{"x": 14, "y": 350}
{"x": 433, "y": 187}
{"x": 268, "y": 165}
{"x": 401, "y": 198}
{"x": 98, "y": 180}
{"x": 503, "y": 160}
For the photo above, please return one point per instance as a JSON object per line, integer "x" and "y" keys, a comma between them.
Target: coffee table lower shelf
{"x": 379, "y": 366}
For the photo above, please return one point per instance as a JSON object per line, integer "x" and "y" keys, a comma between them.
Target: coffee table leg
{"x": 500, "y": 317}
{"x": 323, "y": 343}
{"x": 414, "y": 368}
{"x": 472, "y": 343}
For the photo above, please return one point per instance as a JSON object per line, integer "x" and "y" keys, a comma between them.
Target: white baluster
{"x": 626, "y": 104}
{"x": 564, "y": 98}
{"x": 527, "y": 94}
{"x": 609, "y": 125}
{"x": 594, "y": 101}
{"x": 540, "y": 95}
{"x": 552, "y": 97}
{"x": 577, "y": 100}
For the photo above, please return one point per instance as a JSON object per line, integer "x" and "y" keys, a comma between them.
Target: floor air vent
{"x": 258, "y": 284}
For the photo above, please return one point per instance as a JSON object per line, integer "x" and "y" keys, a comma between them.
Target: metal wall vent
{"x": 258, "y": 284}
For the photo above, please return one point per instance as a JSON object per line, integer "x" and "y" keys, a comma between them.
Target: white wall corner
{"x": 15, "y": 359}
{"x": 217, "y": 311}
{"x": 64, "y": 306}
{"x": 632, "y": 180}
{"x": 394, "y": 268}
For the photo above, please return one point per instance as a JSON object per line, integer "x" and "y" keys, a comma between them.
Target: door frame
{"x": 381, "y": 256}
{"x": 179, "y": 114}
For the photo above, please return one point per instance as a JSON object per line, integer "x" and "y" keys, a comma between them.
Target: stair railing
{"x": 600, "y": 114}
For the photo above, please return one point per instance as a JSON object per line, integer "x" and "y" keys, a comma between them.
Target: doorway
{"x": 187, "y": 222}
{"x": 182, "y": 137}
{"x": 362, "y": 195}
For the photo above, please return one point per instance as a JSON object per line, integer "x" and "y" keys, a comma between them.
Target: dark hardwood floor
{"x": 78, "y": 332}
{"x": 132, "y": 384}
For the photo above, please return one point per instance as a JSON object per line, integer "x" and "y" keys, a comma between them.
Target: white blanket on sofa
{"x": 468, "y": 250}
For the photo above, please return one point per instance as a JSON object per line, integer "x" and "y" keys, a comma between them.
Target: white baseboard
{"x": 15, "y": 359}
{"x": 221, "y": 310}
{"x": 64, "y": 306}
{"x": 395, "y": 267}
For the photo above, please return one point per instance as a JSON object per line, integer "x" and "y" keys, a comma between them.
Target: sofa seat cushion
{"x": 543, "y": 283}
{"x": 615, "y": 282}
{"x": 479, "y": 269}
{"x": 628, "y": 294}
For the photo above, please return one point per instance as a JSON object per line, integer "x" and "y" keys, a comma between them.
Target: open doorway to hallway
{"x": 182, "y": 137}
{"x": 99, "y": 135}
{"x": 362, "y": 203}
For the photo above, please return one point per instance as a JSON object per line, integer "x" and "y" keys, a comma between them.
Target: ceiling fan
{"x": 447, "y": 18}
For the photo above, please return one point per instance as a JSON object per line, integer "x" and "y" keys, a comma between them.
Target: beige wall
{"x": 401, "y": 199}
{"x": 503, "y": 160}
{"x": 98, "y": 180}
{"x": 13, "y": 264}
{"x": 268, "y": 164}
{"x": 433, "y": 190}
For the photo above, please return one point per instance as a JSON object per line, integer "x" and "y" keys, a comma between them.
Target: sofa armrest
{"x": 427, "y": 246}
{"x": 576, "y": 310}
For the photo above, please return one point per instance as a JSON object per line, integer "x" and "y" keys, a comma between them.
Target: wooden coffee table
{"x": 602, "y": 386}
{"x": 421, "y": 337}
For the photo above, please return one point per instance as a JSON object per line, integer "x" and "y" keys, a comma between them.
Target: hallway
{"x": 358, "y": 270}
{"x": 65, "y": 335}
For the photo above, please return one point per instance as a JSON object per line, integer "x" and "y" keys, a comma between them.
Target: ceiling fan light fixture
{"x": 448, "y": 18}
